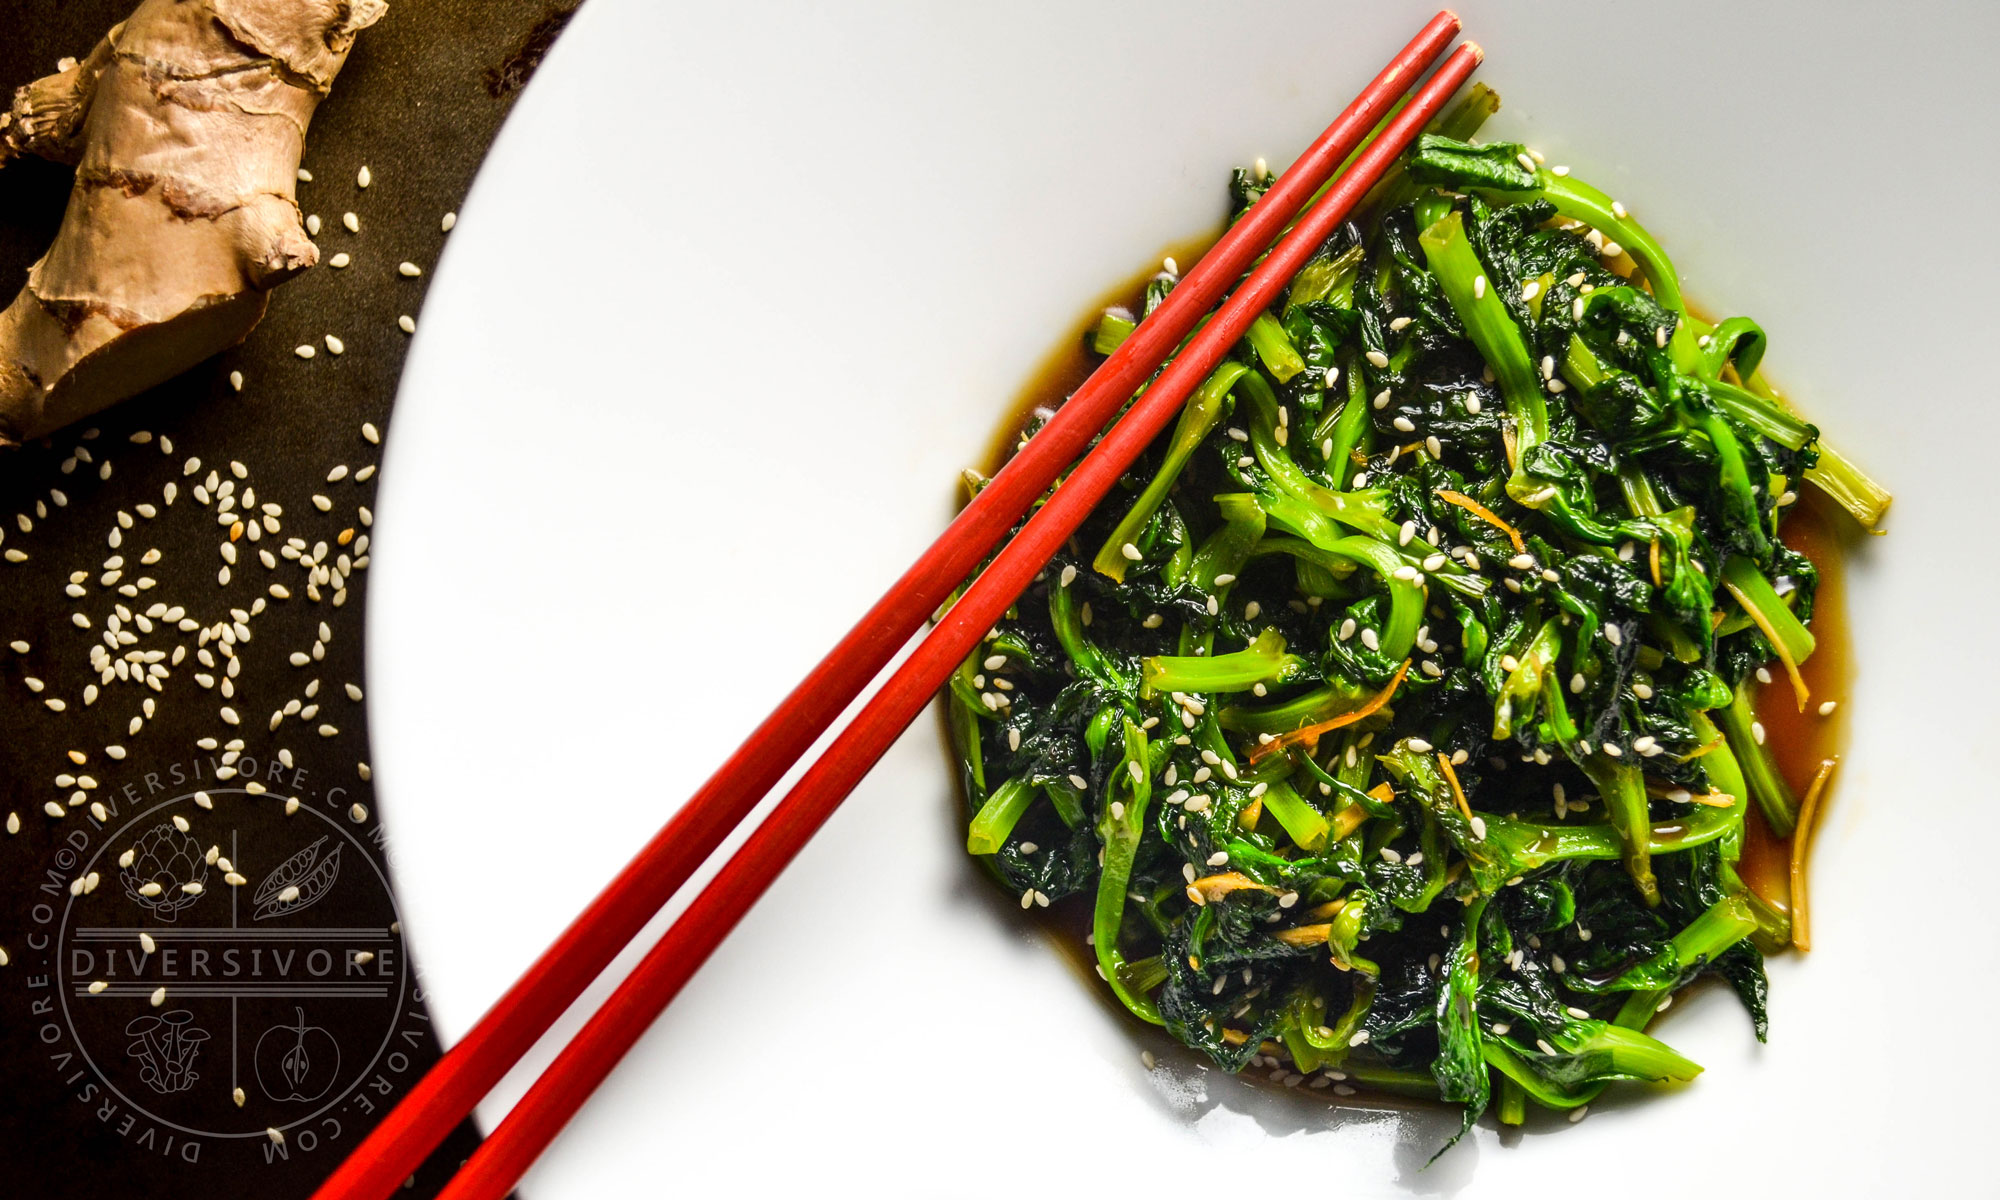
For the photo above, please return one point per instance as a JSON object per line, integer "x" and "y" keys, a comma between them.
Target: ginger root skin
{"x": 186, "y": 125}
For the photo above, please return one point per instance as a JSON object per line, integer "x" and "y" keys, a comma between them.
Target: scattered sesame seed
{"x": 339, "y": 260}
{"x": 352, "y": 222}
{"x": 1826, "y": 709}
{"x": 1478, "y": 286}
{"x": 304, "y": 350}
{"x": 408, "y": 270}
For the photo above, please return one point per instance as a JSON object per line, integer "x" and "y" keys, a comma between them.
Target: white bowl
{"x": 743, "y": 286}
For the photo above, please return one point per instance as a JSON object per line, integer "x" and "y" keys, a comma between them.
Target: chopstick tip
{"x": 1451, "y": 16}
{"x": 1478, "y": 52}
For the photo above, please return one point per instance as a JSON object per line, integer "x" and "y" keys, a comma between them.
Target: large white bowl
{"x": 743, "y": 286}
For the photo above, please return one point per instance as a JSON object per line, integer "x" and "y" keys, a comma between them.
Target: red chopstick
{"x": 447, "y": 1094}
{"x": 554, "y": 1098}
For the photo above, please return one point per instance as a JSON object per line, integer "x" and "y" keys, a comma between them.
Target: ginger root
{"x": 185, "y": 124}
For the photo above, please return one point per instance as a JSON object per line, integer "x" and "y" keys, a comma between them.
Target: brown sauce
{"x": 1072, "y": 361}
{"x": 1801, "y": 741}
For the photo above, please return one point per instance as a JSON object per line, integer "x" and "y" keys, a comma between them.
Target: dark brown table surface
{"x": 306, "y": 1003}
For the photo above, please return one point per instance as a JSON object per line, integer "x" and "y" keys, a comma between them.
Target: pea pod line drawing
{"x": 305, "y": 871}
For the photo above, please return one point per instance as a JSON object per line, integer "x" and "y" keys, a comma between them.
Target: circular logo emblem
{"x": 225, "y": 968}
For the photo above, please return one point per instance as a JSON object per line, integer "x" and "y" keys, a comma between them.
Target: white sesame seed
{"x": 363, "y": 177}
{"x": 1757, "y": 732}
{"x": 1478, "y": 286}
{"x": 1381, "y": 401}
{"x": 339, "y": 260}
{"x": 1370, "y": 639}
{"x": 1613, "y": 634}
{"x": 1611, "y": 750}
{"x": 1579, "y": 1114}
{"x": 304, "y": 350}
{"x": 1404, "y": 424}
{"x": 1131, "y": 552}
{"x": 409, "y": 270}
{"x": 1377, "y": 358}
{"x": 1826, "y": 709}
{"x": 352, "y": 222}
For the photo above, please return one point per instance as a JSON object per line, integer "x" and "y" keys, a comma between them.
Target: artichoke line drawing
{"x": 164, "y": 861}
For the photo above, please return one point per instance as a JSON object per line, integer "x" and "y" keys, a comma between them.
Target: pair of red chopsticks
{"x": 447, "y": 1095}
